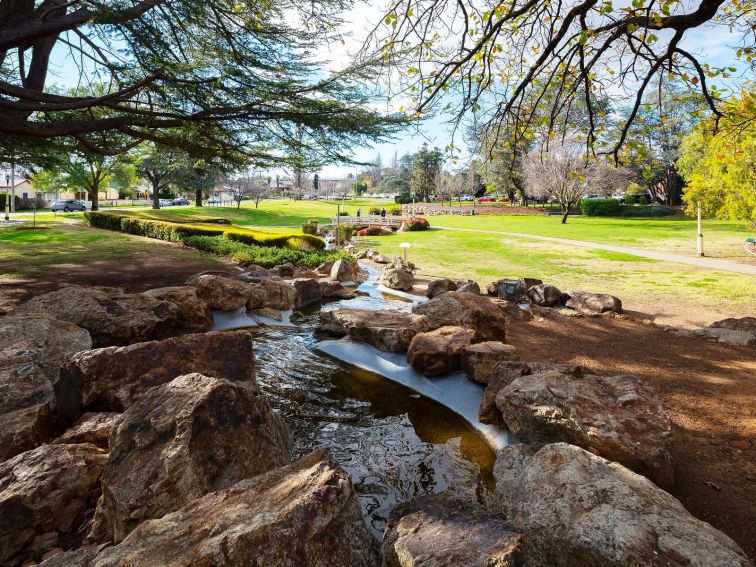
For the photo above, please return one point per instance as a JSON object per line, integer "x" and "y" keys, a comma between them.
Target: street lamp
{"x": 7, "y": 197}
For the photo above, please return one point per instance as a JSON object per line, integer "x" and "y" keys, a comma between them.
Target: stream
{"x": 394, "y": 443}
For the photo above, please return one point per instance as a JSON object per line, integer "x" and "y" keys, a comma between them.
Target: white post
{"x": 699, "y": 238}
{"x": 13, "y": 185}
{"x": 7, "y": 198}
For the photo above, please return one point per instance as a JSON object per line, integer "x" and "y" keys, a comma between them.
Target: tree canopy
{"x": 720, "y": 170}
{"x": 514, "y": 60}
{"x": 210, "y": 76}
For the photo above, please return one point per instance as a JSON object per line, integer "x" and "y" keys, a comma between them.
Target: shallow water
{"x": 394, "y": 444}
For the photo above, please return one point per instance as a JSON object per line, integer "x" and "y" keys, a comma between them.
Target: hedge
{"x": 403, "y": 199}
{"x": 177, "y": 232}
{"x": 600, "y": 207}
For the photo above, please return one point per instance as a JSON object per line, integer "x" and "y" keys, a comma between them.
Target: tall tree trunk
{"x": 95, "y": 194}
{"x": 198, "y": 198}
{"x": 155, "y": 193}
{"x": 565, "y": 213}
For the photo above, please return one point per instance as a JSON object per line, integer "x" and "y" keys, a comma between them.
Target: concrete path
{"x": 710, "y": 263}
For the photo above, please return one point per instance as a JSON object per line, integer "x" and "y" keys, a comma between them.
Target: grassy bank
{"x": 674, "y": 290}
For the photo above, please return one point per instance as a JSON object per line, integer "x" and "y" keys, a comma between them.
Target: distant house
{"x": 24, "y": 189}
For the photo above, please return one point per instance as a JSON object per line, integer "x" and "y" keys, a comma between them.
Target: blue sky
{"x": 714, "y": 44}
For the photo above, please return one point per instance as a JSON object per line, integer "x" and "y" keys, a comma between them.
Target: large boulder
{"x": 45, "y": 494}
{"x": 193, "y": 312}
{"x": 111, "y": 317}
{"x": 467, "y": 310}
{"x": 306, "y": 292}
{"x": 503, "y": 374}
{"x": 34, "y": 402}
{"x": 438, "y": 352}
{"x": 743, "y": 324}
{"x": 727, "y": 336}
{"x": 386, "y": 330}
{"x": 593, "y": 303}
{"x": 468, "y": 286}
{"x": 271, "y": 294}
{"x": 343, "y": 271}
{"x": 91, "y": 428}
{"x": 111, "y": 379}
{"x": 437, "y": 287}
{"x": 305, "y": 513}
{"x": 544, "y": 295}
{"x": 180, "y": 441}
{"x": 617, "y": 417}
{"x": 331, "y": 289}
{"x": 398, "y": 278}
{"x": 479, "y": 360}
{"x": 440, "y": 531}
{"x": 223, "y": 293}
{"x": 575, "y": 508}
{"x": 284, "y": 270}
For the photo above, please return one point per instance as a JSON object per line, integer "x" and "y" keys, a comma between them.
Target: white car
{"x": 214, "y": 200}
{"x": 165, "y": 202}
{"x": 467, "y": 198}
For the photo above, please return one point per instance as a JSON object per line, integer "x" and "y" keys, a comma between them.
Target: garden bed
{"x": 241, "y": 245}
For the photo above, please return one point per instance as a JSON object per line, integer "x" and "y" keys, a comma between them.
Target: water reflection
{"x": 394, "y": 444}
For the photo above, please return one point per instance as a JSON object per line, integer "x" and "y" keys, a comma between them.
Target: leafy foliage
{"x": 719, "y": 164}
{"x": 426, "y": 166}
{"x": 417, "y": 224}
{"x": 599, "y": 207}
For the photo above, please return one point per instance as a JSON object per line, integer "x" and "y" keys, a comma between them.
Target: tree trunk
{"x": 198, "y": 198}
{"x": 565, "y": 213}
{"x": 94, "y": 194}
{"x": 155, "y": 194}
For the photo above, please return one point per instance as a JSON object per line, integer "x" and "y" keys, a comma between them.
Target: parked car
{"x": 466, "y": 198}
{"x": 214, "y": 200}
{"x": 165, "y": 202}
{"x": 487, "y": 199}
{"x": 68, "y": 205}
{"x": 180, "y": 201}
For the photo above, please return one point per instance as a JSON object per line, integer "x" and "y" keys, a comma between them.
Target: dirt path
{"x": 710, "y": 389}
{"x": 710, "y": 263}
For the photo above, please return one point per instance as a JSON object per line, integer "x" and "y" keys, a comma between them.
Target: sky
{"x": 713, "y": 44}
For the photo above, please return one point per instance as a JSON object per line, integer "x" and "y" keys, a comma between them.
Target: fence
{"x": 388, "y": 221}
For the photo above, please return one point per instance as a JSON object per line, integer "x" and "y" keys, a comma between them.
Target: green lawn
{"x": 642, "y": 283}
{"x": 677, "y": 235}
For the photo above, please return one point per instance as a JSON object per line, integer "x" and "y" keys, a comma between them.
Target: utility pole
{"x": 699, "y": 238}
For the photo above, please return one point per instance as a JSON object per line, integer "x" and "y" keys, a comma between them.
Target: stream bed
{"x": 394, "y": 443}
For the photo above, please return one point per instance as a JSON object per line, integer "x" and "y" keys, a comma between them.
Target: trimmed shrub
{"x": 343, "y": 214}
{"x": 374, "y": 211}
{"x": 599, "y": 207}
{"x": 650, "y": 211}
{"x": 108, "y": 221}
{"x": 642, "y": 200}
{"x": 403, "y": 199}
{"x": 417, "y": 223}
{"x": 310, "y": 227}
{"x": 395, "y": 211}
{"x": 373, "y": 230}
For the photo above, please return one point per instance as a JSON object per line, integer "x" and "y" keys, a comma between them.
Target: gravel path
{"x": 710, "y": 263}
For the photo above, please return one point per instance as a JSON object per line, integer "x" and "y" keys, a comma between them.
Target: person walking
{"x": 383, "y": 213}
{"x": 358, "y": 213}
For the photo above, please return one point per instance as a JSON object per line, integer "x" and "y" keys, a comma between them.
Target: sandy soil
{"x": 710, "y": 389}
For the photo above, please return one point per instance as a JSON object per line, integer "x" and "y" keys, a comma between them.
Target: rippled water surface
{"x": 394, "y": 444}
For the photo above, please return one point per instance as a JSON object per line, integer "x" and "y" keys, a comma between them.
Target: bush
{"x": 374, "y": 211}
{"x": 652, "y": 211}
{"x": 17, "y": 201}
{"x": 642, "y": 200}
{"x": 417, "y": 223}
{"x": 599, "y": 207}
{"x": 403, "y": 199}
{"x": 175, "y": 232}
{"x": 266, "y": 256}
{"x": 395, "y": 211}
{"x": 345, "y": 232}
{"x": 343, "y": 214}
{"x": 373, "y": 230}
{"x": 310, "y": 227}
